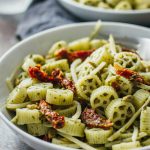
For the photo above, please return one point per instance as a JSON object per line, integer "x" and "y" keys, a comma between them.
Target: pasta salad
{"x": 117, "y": 4}
{"x": 90, "y": 94}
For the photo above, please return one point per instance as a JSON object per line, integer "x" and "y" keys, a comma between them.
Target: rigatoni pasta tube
{"x": 73, "y": 127}
{"x": 27, "y": 116}
{"x": 37, "y": 129}
{"x": 18, "y": 95}
{"x": 145, "y": 121}
{"x": 38, "y": 91}
{"x": 59, "y": 97}
{"x": 97, "y": 136}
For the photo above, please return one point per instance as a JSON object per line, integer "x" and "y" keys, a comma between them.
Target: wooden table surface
{"x": 8, "y": 140}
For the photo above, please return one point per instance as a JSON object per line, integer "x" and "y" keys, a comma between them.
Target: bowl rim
{"x": 4, "y": 56}
{"x": 108, "y": 11}
{"x": 20, "y": 12}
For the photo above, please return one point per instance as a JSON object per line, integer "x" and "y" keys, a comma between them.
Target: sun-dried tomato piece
{"x": 64, "y": 82}
{"x": 93, "y": 120}
{"x": 71, "y": 56}
{"x": 56, "y": 77}
{"x": 129, "y": 74}
{"x": 116, "y": 86}
{"x": 68, "y": 84}
{"x": 51, "y": 116}
{"x": 57, "y": 73}
{"x": 62, "y": 53}
{"x": 36, "y": 72}
{"x": 45, "y": 138}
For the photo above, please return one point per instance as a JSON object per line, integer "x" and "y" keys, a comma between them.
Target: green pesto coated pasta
{"x": 73, "y": 70}
{"x": 102, "y": 96}
{"x": 123, "y": 5}
{"x": 78, "y": 142}
{"x": 145, "y": 121}
{"x": 85, "y": 70}
{"x": 69, "y": 111}
{"x": 125, "y": 146}
{"x": 146, "y": 142}
{"x": 57, "y": 46}
{"x": 28, "y": 63}
{"x": 27, "y": 116}
{"x": 96, "y": 43}
{"x": 140, "y": 97}
{"x": 121, "y": 84}
{"x": 18, "y": 95}
{"x": 99, "y": 56}
{"x": 145, "y": 75}
{"x": 16, "y": 106}
{"x": 37, "y": 129}
{"x": 104, "y": 5}
{"x": 38, "y": 59}
{"x": 59, "y": 64}
{"x": 113, "y": 2}
{"x": 97, "y": 136}
{"x": 128, "y": 60}
{"x": 86, "y": 85}
{"x": 20, "y": 78}
{"x": 89, "y": 2}
{"x": 81, "y": 44}
{"x": 38, "y": 91}
{"x": 59, "y": 97}
{"x": 118, "y": 111}
{"x": 73, "y": 127}
{"x": 129, "y": 123}
{"x": 27, "y": 82}
{"x": 80, "y": 99}
{"x": 65, "y": 142}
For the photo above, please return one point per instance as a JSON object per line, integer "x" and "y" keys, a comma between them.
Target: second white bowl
{"x": 89, "y": 13}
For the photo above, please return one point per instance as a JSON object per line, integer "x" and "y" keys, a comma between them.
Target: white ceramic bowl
{"x": 40, "y": 43}
{"x": 15, "y": 7}
{"x": 92, "y": 14}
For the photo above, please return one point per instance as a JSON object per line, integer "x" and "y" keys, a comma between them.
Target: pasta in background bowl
{"x": 36, "y": 90}
{"x": 121, "y": 11}
{"x": 117, "y": 4}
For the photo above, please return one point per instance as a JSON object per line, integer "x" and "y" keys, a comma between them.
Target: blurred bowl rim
{"x": 19, "y": 12}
